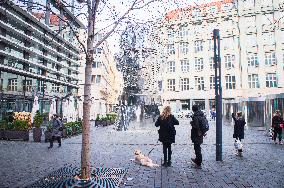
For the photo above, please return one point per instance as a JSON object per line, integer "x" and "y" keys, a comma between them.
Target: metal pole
{"x": 218, "y": 94}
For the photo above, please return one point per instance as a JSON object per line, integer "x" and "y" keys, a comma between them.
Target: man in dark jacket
{"x": 56, "y": 131}
{"x": 196, "y": 134}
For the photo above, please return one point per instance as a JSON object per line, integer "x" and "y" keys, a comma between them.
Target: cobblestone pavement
{"x": 261, "y": 166}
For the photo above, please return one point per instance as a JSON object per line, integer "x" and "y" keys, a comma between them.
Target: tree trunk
{"x": 85, "y": 155}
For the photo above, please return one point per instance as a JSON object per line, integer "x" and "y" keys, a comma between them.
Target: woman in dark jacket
{"x": 239, "y": 128}
{"x": 277, "y": 120}
{"x": 167, "y": 133}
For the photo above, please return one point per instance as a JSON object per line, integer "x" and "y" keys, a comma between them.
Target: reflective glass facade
{"x": 38, "y": 55}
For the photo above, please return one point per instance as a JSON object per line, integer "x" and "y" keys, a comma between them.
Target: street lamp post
{"x": 218, "y": 94}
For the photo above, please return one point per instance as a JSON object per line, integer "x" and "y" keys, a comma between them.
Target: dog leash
{"x": 153, "y": 148}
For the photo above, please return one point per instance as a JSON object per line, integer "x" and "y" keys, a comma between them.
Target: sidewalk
{"x": 261, "y": 166}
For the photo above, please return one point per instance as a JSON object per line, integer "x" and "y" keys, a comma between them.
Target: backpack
{"x": 203, "y": 124}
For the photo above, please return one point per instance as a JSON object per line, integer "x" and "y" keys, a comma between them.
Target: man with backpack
{"x": 200, "y": 126}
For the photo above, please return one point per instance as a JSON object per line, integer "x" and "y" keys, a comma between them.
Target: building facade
{"x": 38, "y": 55}
{"x": 252, "y": 52}
{"x": 106, "y": 80}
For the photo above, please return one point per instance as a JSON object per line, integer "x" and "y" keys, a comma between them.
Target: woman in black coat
{"x": 239, "y": 126}
{"x": 167, "y": 133}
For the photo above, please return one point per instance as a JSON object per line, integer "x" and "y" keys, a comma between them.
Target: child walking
{"x": 238, "y": 132}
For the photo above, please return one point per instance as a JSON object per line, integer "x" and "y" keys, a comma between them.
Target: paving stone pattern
{"x": 261, "y": 166}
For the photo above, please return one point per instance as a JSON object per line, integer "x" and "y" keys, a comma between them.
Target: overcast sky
{"x": 153, "y": 12}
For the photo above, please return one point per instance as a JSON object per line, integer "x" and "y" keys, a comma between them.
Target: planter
{"x": 104, "y": 122}
{"x": 47, "y": 136}
{"x": 98, "y": 123}
{"x": 108, "y": 122}
{"x": 112, "y": 121}
{"x": 37, "y": 132}
{"x": 74, "y": 130}
{"x": 23, "y": 135}
{"x": 64, "y": 133}
{"x": 2, "y": 134}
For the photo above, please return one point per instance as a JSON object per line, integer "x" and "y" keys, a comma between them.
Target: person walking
{"x": 277, "y": 124}
{"x": 239, "y": 128}
{"x": 166, "y": 121}
{"x": 196, "y": 134}
{"x": 56, "y": 131}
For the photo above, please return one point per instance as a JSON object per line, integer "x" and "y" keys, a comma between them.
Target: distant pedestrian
{"x": 239, "y": 128}
{"x": 167, "y": 132}
{"x": 277, "y": 124}
{"x": 196, "y": 134}
{"x": 56, "y": 131}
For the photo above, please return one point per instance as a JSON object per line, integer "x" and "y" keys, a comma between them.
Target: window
{"x": 196, "y": 13}
{"x": 12, "y": 84}
{"x": 55, "y": 87}
{"x": 271, "y": 80}
{"x": 198, "y": 46}
{"x": 98, "y": 78}
{"x": 97, "y": 64}
{"x": 229, "y": 61}
{"x": 270, "y": 58}
{"x": 171, "y": 67}
{"x": 171, "y": 36}
{"x": 253, "y": 81}
{"x": 1, "y": 84}
{"x": 27, "y": 85}
{"x": 41, "y": 86}
{"x": 184, "y": 65}
{"x": 171, "y": 85}
{"x": 212, "y": 82}
{"x": 213, "y": 9}
{"x": 230, "y": 82}
{"x": 198, "y": 64}
{"x": 184, "y": 84}
{"x": 252, "y": 60}
{"x": 183, "y": 31}
{"x": 211, "y": 63}
{"x": 160, "y": 85}
{"x": 199, "y": 83}
{"x": 171, "y": 49}
{"x": 98, "y": 51}
{"x": 183, "y": 47}
{"x": 211, "y": 45}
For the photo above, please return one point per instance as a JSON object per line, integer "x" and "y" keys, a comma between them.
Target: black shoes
{"x": 195, "y": 162}
{"x": 167, "y": 164}
{"x": 49, "y": 147}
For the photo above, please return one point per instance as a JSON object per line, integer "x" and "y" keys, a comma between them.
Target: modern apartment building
{"x": 38, "y": 54}
{"x": 252, "y": 52}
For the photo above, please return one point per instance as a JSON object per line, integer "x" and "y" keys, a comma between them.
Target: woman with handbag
{"x": 277, "y": 124}
{"x": 167, "y": 133}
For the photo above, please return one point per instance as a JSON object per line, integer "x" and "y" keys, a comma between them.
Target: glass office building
{"x": 39, "y": 54}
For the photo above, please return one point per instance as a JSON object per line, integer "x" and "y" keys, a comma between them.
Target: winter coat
{"x": 167, "y": 131}
{"x": 239, "y": 127}
{"x": 56, "y": 124}
{"x": 196, "y": 135}
{"x": 276, "y": 121}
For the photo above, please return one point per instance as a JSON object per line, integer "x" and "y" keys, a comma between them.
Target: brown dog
{"x": 143, "y": 160}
